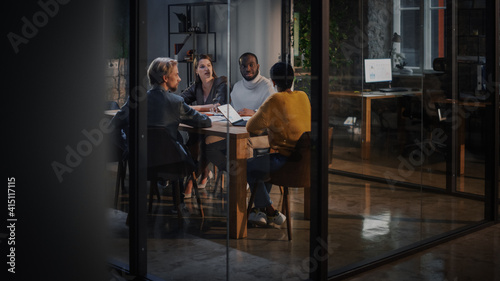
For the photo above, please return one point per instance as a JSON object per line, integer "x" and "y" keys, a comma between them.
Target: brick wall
{"x": 117, "y": 87}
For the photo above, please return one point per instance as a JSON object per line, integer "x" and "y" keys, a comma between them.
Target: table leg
{"x": 237, "y": 191}
{"x": 366, "y": 126}
{"x": 461, "y": 146}
{"x": 307, "y": 203}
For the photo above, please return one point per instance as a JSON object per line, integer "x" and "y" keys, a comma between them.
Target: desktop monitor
{"x": 378, "y": 70}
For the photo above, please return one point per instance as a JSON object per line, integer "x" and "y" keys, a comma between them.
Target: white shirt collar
{"x": 252, "y": 83}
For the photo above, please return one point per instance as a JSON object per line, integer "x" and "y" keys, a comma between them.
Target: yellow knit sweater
{"x": 285, "y": 115}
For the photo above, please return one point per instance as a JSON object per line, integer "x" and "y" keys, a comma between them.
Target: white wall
{"x": 157, "y": 29}
{"x": 255, "y": 27}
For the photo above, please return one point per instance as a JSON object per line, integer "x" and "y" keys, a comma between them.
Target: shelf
{"x": 198, "y": 4}
{"x": 471, "y": 46}
{"x": 472, "y": 36}
{"x": 191, "y": 33}
{"x": 471, "y": 60}
{"x": 186, "y": 16}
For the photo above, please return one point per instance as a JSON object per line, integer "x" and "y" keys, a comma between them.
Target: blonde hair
{"x": 158, "y": 68}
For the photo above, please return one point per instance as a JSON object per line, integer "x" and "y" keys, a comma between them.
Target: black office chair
{"x": 433, "y": 111}
{"x": 119, "y": 148}
{"x": 121, "y": 157}
{"x": 169, "y": 159}
{"x": 436, "y": 109}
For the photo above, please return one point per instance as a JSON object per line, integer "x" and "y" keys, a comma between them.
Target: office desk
{"x": 238, "y": 155}
{"x": 367, "y": 111}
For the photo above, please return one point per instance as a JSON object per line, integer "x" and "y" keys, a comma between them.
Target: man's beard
{"x": 251, "y": 78}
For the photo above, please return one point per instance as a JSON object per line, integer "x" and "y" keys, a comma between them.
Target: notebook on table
{"x": 231, "y": 115}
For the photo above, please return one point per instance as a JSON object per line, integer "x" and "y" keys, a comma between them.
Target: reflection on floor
{"x": 398, "y": 154}
{"x": 472, "y": 257}
{"x": 366, "y": 220}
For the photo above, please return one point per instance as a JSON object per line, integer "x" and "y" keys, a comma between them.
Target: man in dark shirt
{"x": 166, "y": 109}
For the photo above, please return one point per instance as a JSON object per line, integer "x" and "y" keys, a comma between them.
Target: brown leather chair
{"x": 295, "y": 173}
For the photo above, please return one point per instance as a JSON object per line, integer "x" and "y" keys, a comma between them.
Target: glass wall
{"x": 185, "y": 243}
{"x": 117, "y": 78}
{"x": 189, "y": 242}
{"x": 401, "y": 156}
{"x": 405, "y": 117}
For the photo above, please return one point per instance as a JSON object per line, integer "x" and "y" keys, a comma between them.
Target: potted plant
{"x": 399, "y": 59}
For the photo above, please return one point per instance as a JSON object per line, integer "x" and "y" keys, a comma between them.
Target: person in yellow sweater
{"x": 284, "y": 116}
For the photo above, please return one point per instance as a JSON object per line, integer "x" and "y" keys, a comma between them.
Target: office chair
{"x": 117, "y": 154}
{"x": 220, "y": 179}
{"x": 169, "y": 159}
{"x": 120, "y": 176}
{"x": 118, "y": 146}
{"x": 295, "y": 173}
{"x": 434, "y": 109}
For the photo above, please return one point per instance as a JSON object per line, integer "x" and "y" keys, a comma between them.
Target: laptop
{"x": 230, "y": 113}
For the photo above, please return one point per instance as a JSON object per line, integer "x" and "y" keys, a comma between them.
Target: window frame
{"x": 427, "y": 8}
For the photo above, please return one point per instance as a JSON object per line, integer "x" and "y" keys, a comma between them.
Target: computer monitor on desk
{"x": 380, "y": 70}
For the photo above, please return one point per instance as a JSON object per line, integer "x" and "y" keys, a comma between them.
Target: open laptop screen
{"x": 230, "y": 113}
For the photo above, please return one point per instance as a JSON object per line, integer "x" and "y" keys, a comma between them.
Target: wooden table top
{"x": 374, "y": 94}
{"x": 219, "y": 128}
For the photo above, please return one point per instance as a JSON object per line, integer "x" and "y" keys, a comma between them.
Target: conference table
{"x": 366, "y": 112}
{"x": 237, "y": 155}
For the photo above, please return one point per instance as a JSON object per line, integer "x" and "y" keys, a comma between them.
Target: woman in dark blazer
{"x": 208, "y": 92}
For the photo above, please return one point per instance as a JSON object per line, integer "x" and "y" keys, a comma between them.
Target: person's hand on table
{"x": 206, "y": 108}
{"x": 213, "y": 109}
{"x": 246, "y": 112}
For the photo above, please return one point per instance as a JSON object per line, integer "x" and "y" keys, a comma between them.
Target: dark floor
{"x": 362, "y": 225}
{"x": 367, "y": 220}
{"x": 472, "y": 257}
